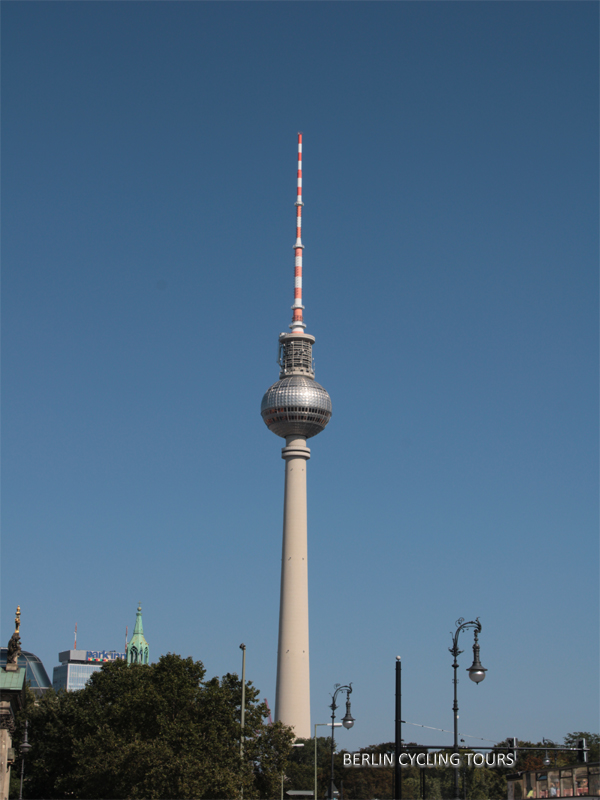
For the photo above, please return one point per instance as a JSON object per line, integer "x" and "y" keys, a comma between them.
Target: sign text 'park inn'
{"x": 103, "y": 655}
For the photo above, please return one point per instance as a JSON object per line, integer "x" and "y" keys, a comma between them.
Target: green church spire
{"x": 138, "y": 651}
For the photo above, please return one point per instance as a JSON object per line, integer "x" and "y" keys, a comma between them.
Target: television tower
{"x": 295, "y": 408}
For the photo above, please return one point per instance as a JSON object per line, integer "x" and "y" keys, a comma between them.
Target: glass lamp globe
{"x": 477, "y": 673}
{"x": 348, "y": 719}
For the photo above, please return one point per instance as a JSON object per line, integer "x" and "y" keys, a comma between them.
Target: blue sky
{"x": 450, "y": 280}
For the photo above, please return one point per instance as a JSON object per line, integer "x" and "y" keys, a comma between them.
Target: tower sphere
{"x": 296, "y": 406}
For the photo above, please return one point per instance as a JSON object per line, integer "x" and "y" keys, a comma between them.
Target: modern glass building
{"x": 77, "y": 665}
{"x": 35, "y": 672}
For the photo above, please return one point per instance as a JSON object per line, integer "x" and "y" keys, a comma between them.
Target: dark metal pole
{"x": 25, "y": 748}
{"x": 476, "y": 670}
{"x": 243, "y": 706}
{"x": 22, "y": 771}
{"x": 347, "y": 722}
{"x": 243, "y": 710}
{"x": 333, "y": 708}
{"x": 455, "y": 710}
{"x": 398, "y": 732}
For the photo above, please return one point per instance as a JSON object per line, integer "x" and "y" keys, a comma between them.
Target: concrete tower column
{"x": 292, "y": 702}
{"x": 295, "y": 408}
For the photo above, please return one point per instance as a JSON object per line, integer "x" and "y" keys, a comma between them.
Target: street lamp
{"x": 243, "y": 706}
{"x": 476, "y": 673}
{"x": 347, "y": 722}
{"x": 25, "y": 748}
{"x": 547, "y": 761}
{"x": 243, "y": 711}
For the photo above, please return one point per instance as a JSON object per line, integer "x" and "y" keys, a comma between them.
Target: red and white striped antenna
{"x": 298, "y": 325}
{"x": 75, "y": 645}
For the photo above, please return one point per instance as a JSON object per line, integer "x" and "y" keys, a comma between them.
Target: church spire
{"x": 138, "y": 651}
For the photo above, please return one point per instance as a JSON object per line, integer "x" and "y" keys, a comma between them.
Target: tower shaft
{"x": 292, "y": 703}
{"x": 295, "y": 408}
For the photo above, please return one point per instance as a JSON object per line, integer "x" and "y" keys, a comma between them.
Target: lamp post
{"x": 243, "y": 712}
{"x": 25, "y": 748}
{"x": 347, "y": 722}
{"x": 243, "y": 709}
{"x": 476, "y": 673}
{"x": 552, "y": 744}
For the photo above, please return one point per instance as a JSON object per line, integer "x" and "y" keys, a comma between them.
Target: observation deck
{"x": 296, "y": 405}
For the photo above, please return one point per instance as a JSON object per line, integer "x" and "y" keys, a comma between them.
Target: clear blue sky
{"x": 450, "y": 279}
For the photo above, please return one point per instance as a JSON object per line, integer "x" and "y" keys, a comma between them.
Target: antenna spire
{"x": 298, "y": 325}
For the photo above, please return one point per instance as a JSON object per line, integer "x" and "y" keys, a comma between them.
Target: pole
{"x": 476, "y": 673}
{"x": 347, "y": 722}
{"x": 243, "y": 711}
{"x": 333, "y": 707}
{"x": 315, "y": 794}
{"x": 25, "y": 748}
{"x": 243, "y": 714}
{"x": 22, "y": 771}
{"x": 455, "y": 711}
{"x": 398, "y": 732}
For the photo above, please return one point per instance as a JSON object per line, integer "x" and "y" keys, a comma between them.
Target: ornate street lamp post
{"x": 552, "y": 744}
{"x": 476, "y": 673}
{"x": 243, "y": 706}
{"x": 347, "y": 722}
{"x": 25, "y": 748}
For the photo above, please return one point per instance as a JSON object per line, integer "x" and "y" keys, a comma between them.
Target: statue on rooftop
{"x": 14, "y": 644}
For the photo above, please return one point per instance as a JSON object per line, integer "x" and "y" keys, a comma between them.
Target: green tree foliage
{"x": 531, "y": 755}
{"x": 153, "y": 731}
{"x": 592, "y": 741}
{"x": 434, "y": 783}
{"x": 431, "y": 783}
{"x": 300, "y": 773}
{"x": 369, "y": 781}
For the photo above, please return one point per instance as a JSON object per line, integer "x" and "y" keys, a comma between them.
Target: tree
{"x": 300, "y": 772}
{"x": 153, "y": 731}
{"x": 430, "y": 782}
{"x": 592, "y": 740}
{"x": 370, "y": 781}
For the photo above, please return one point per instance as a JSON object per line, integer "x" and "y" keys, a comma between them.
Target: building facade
{"x": 76, "y": 667}
{"x": 575, "y": 780}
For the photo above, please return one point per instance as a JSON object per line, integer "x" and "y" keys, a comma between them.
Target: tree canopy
{"x": 431, "y": 783}
{"x": 163, "y": 731}
{"x": 154, "y": 731}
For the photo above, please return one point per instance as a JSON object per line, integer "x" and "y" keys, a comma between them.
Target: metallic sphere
{"x": 296, "y": 406}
